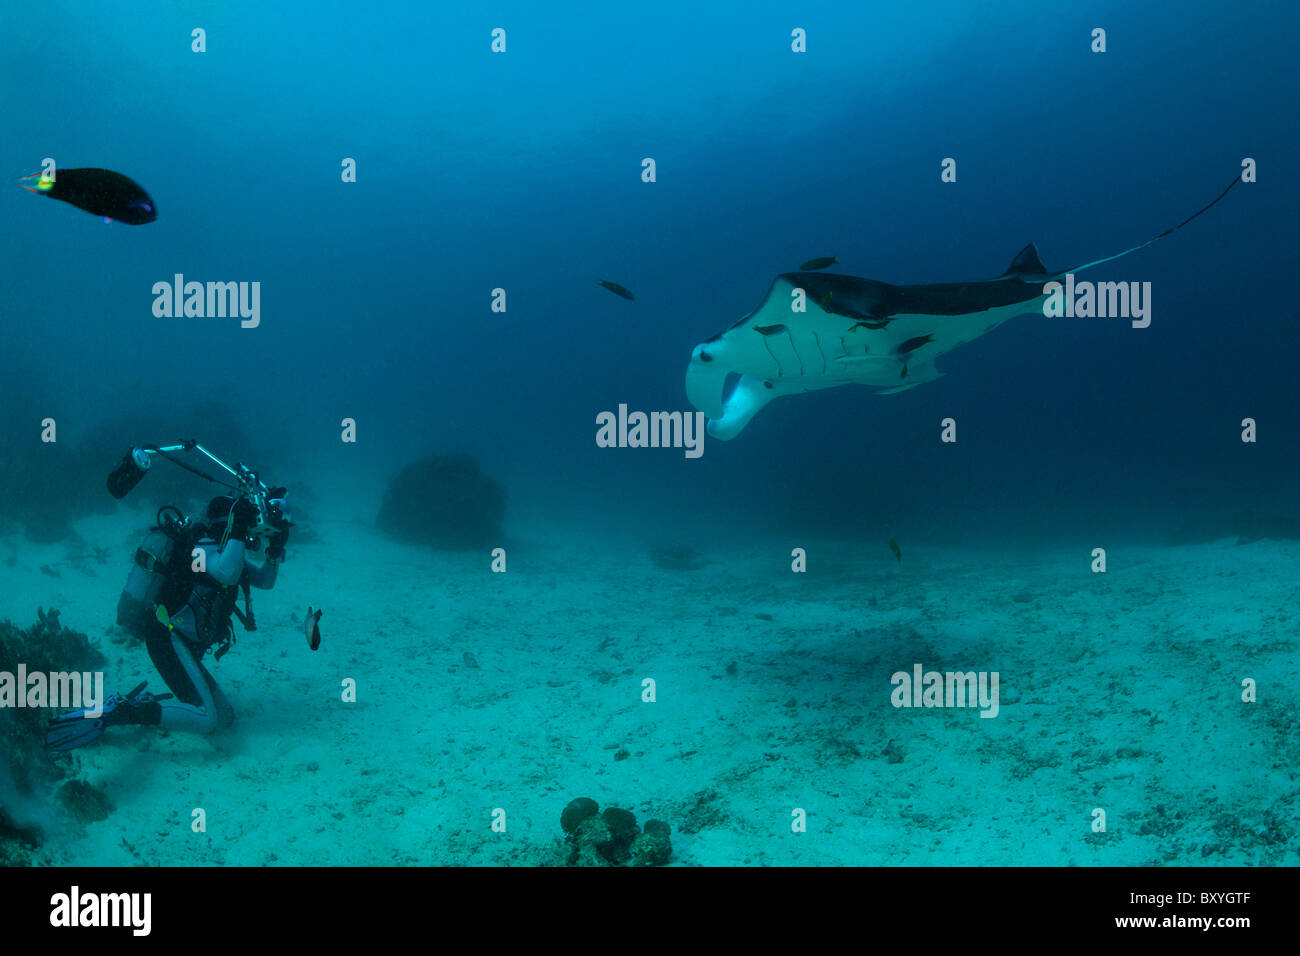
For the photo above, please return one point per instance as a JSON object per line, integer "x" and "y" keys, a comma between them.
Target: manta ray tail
{"x": 1172, "y": 229}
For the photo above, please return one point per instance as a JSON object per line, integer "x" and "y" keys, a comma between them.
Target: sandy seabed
{"x": 1119, "y": 692}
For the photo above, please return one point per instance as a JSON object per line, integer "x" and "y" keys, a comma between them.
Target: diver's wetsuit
{"x": 177, "y": 653}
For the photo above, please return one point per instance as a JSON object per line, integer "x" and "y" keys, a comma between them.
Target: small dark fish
{"x": 869, "y": 325}
{"x": 911, "y": 345}
{"x": 769, "y": 329}
{"x": 100, "y": 192}
{"x": 310, "y": 627}
{"x": 617, "y": 289}
{"x": 821, "y": 263}
{"x": 893, "y": 546}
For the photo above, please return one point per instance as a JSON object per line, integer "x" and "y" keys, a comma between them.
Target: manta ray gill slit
{"x": 780, "y": 372}
{"x": 767, "y": 331}
{"x": 799, "y": 358}
{"x": 820, "y": 350}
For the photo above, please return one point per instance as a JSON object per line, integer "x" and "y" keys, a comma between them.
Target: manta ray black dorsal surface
{"x": 1026, "y": 263}
{"x": 100, "y": 192}
{"x": 817, "y": 330}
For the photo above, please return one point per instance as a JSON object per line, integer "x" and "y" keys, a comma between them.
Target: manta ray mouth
{"x": 728, "y": 398}
{"x": 742, "y": 403}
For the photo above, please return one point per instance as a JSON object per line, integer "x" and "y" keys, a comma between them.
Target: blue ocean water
{"x": 522, "y": 171}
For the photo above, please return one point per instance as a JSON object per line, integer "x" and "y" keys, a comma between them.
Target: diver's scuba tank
{"x": 149, "y": 569}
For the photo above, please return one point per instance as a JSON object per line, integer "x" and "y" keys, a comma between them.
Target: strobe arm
{"x": 135, "y": 464}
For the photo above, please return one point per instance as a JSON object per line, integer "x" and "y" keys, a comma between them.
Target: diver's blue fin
{"x": 70, "y": 731}
{"x": 75, "y": 729}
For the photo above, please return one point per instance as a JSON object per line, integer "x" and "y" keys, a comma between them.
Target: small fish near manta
{"x": 100, "y": 192}
{"x": 859, "y": 331}
{"x": 617, "y": 289}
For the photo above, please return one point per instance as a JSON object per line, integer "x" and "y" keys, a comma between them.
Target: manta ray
{"x": 817, "y": 330}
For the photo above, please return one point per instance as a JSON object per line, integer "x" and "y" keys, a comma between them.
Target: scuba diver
{"x": 179, "y": 598}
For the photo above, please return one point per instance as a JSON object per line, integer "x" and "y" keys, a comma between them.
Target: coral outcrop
{"x": 612, "y": 838}
{"x": 446, "y": 501}
{"x": 26, "y": 768}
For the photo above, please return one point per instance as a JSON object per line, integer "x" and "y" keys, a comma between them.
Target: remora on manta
{"x": 817, "y": 330}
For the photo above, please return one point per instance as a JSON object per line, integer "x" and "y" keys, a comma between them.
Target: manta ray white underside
{"x": 817, "y": 330}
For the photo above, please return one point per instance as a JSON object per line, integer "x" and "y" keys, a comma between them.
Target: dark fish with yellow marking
{"x": 911, "y": 345}
{"x": 893, "y": 546}
{"x": 617, "y": 289}
{"x": 100, "y": 192}
{"x": 820, "y": 263}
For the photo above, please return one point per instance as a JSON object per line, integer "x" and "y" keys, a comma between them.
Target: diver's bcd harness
{"x": 161, "y": 576}
{"x": 162, "y": 581}
{"x": 245, "y": 617}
